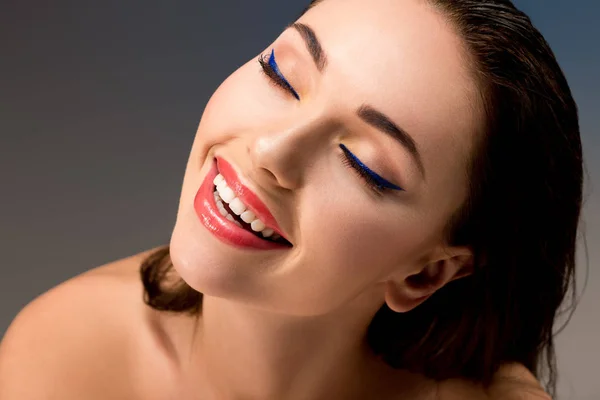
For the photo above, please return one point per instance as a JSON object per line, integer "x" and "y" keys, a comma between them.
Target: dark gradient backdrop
{"x": 99, "y": 103}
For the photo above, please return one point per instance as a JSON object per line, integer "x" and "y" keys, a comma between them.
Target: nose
{"x": 283, "y": 154}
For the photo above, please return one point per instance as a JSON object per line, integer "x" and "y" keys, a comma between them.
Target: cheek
{"x": 243, "y": 102}
{"x": 360, "y": 244}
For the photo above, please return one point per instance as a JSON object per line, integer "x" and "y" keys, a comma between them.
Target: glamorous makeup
{"x": 373, "y": 180}
{"x": 271, "y": 69}
{"x": 218, "y": 216}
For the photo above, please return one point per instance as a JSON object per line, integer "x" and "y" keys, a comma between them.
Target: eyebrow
{"x": 366, "y": 112}
{"x": 312, "y": 44}
{"x": 380, "y": 121}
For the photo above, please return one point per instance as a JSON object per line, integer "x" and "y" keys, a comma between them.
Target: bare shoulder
{"x": 511, "y": 382}
{"x": 515, "y": 382}
{"x": 75, "y": 341}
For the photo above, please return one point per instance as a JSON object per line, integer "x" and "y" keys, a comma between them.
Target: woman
{"x": 382, "y": 205}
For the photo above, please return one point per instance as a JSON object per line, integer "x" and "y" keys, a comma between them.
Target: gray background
{"x": 99, "y": 103}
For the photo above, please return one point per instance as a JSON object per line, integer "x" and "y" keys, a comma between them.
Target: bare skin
{"x": 94, "y": 338}
{"x": 290, "y": 324}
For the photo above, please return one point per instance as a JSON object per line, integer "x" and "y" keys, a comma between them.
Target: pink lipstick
{"x": 224, "y": 229}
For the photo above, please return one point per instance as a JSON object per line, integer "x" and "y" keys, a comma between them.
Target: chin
{"x": 198, "y": 262}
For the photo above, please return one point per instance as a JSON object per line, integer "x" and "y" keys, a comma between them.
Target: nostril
{"x": 270, "y": 175}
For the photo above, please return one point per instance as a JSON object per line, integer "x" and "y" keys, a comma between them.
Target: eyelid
{"x": 271, "y": 69}
{"x": 382, "y": 182}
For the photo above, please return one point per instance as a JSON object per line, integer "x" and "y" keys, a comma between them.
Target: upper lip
{"x": 247, "y": 196}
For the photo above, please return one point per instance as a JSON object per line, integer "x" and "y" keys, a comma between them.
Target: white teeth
{"x": 222, "y": 209}
{"x": 267, "y": 232}
{"x": 248, "y": 216}
{"x": 237, "y": 206}
{"x": 227, "y": 194}
{"x": 257, "y": 225}
{"x": 218, "y": 179}
{"x": 221, "y": 185}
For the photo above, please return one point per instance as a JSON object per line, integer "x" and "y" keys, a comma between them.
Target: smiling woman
{"x": 364, "y": 215}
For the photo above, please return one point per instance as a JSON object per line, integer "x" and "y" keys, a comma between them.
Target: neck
{"x": 249, "y": 353}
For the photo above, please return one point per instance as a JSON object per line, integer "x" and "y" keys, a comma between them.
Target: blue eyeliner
{"x": 275, "y": 67}
{"x": 371, "y": 178}
{"x": 376, "y": 179}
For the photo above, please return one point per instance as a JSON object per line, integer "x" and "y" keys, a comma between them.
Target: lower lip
{"x": 221, "y": 227}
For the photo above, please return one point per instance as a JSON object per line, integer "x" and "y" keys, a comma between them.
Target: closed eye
{"x": 373, "y": 180}
{"x": 272, "y": 71}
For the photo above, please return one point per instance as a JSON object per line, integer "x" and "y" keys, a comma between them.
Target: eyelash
{"x": 373, "y": 181}
{"x": 370, "y": 178}
{"x": 271, "y": 70}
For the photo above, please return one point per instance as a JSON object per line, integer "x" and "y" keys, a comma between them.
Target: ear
{"x": 446, "y": 265}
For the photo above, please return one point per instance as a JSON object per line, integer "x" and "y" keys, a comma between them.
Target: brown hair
{"x": 521, "y": 217}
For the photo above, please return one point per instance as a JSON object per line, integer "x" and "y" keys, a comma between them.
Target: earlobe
{"x": 405, "y": 295}
{"x": 397, "y": 299}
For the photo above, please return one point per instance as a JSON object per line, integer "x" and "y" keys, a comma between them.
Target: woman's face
{"x": 397, "y": 59}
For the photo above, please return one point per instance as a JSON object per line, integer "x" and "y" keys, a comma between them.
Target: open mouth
{"x": 237, "y": 212}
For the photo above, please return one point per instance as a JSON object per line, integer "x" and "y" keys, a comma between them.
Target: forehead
{"x": 404, "y": 58}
